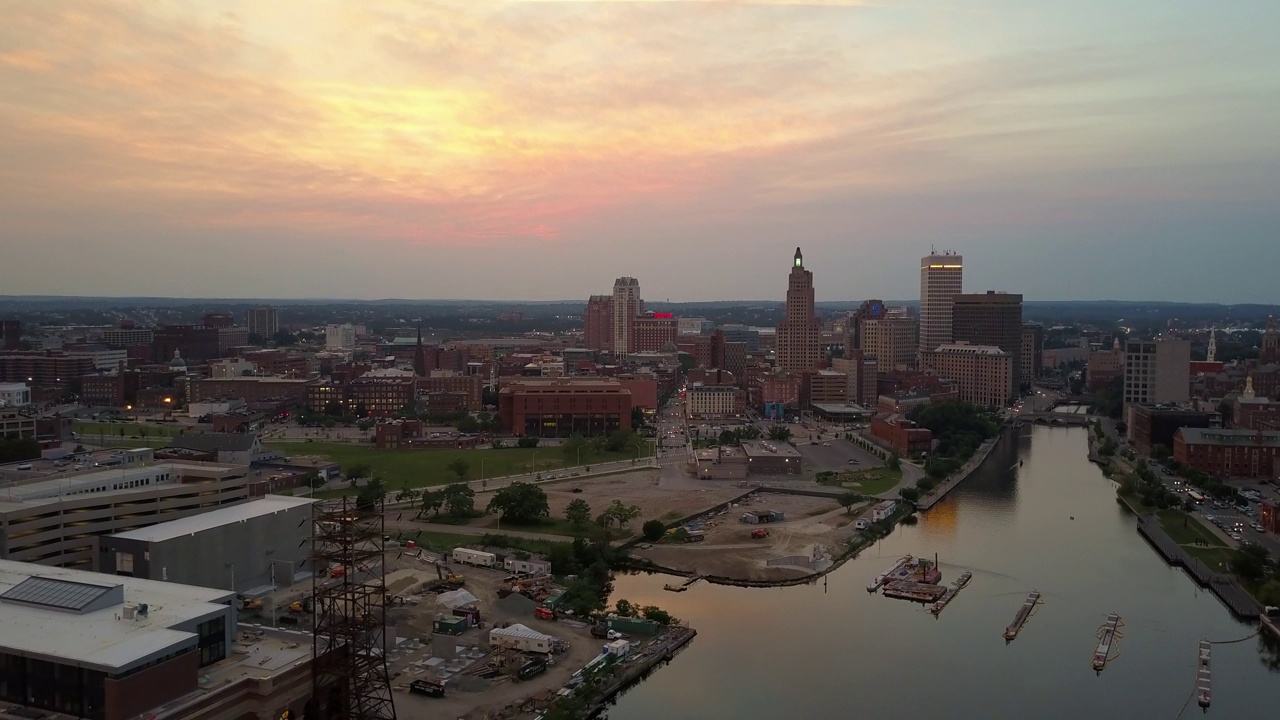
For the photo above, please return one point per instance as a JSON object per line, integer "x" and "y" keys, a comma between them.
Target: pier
{"x": 1202, "y": 676}
{"x": 913, "y": 591}
{"x": 1240, "y": 603}
{"x": 682, "y": 586}
{"x": 949, "y": 594}
{"x": 1020, "y": 619}
{"x": 1107, "y": 636}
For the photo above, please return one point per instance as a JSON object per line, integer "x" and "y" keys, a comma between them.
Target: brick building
{"x": 251, "y": 389}
{"x": 993, "y": 319}
{"x": 1151, "y": 425}
{"x": 1104, "y": 366}
{"x": 983, "y": 373}
{"x": 1228, "y": 453}
{"x": 379, "y": 393}
{"x": 560, "y": 407}
{"x": 193, "y": 343}
{"x": 903, "y": 435}
{"x": 281, "y": 363}
{"x": 10, "y": 332}
{"x": 471, "y": 387}
{"x": 715, "y": 402}
{"x": 653, "y": 332}
{"x": 45, "y": 369}
{"x": 115, "y": 389}
{"x": 824, "y": 386}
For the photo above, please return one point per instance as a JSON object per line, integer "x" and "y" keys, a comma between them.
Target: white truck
{"x": 478, "y": 558}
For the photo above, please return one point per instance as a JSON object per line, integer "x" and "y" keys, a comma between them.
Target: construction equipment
{"x": 305, "y": 605}
{"x": 759, "y": 534}
{"x": 447, "y": 575}
{"x": 246, "y": 604}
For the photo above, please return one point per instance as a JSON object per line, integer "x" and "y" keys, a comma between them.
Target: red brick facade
{"x": 563, "y": 407}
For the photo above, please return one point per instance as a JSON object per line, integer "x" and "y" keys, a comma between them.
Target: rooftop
{"x": 54, "y": 487}
{"x": 764, "y": 448}
{"x": 267, "y": 505}
{"x": 95, "y": 634}
{"x": 215, "y": 442}
{"x": 1215, "y": 436}
{"x": 963, "y": 349}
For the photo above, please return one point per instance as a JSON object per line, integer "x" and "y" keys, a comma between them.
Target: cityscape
{"x": 941, "y": 353}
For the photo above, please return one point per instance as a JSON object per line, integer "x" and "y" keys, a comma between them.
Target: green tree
{"x": 1249, "y": 561}
{"x": 467, "y": 425}
{"x": 653, "y": 530}
{"x": 578, "y": 513}
{"x": 432, "y": 501}
{"x": 572, "y": 446}
{"x": 459, "y": 500}
{"x": 520, "y": 503}
{"x": 406, "y": 493}
{"x": 658, "y": 615}
{"x": 638, "y": 418}
{"x": 459, "y": 467}
{"x": 356, "y": 471}
{"x": 894, "y": 462}
{"x": 909, "y": 494}
{"x": 848, "y": 500}
{"x": 313, "y": 480}
{"x": 527, "y": 442}
{"x": 728, "y": 437}
{"x": 624, "y": 608}
{"x": 623, "y": 513}
{"x": 497, "y": 444}
{"x": 779, "y": 433}
{"x": 370, "y": 494}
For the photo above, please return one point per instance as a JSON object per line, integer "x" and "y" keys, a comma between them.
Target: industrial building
{"x": 57, "y": 519}
{"x": 560, "y": 407}
{"x": 250, "y": 548}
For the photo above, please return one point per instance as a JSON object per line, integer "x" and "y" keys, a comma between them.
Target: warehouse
{"x": 519, "y": 637}
{"x": 771, "y": 458}
{"x": 250, "y": 548}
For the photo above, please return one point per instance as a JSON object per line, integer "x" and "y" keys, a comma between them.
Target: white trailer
{"x": 519, "y": 637}
{"x": 532, "y": 566}
{"x": 477, "y": 558}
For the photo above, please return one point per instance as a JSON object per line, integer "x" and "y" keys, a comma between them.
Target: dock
{"x": 1107, "y": 636}
{"x": 1239, "y": 602}
{"x": 902, "y": 562}
{"x": 637, "y": 668}
{"x": 949, "y": 594}
{"x": 913, "y": 591}
{"x": 1020, "y": 619}
{"x": 682, "y": 586}
{"x": 1202, "y": 676}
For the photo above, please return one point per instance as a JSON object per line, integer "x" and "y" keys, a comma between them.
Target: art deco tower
{"x": 798, "y": 334}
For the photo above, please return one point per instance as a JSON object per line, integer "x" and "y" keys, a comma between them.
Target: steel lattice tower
{"x": 349, "y": 671}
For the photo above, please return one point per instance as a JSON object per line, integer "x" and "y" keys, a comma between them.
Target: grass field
{"x": 871, "y": 481}
{"x": 1186, "y": 530}
{"x": 423, "y": 468}
{"x": 1215, "y": 557}
{"x": 109, "y": 429}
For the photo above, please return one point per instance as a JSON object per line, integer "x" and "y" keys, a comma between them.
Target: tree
{"x": 728, "y": 437}
{"x": 894, "y": 462}
{"x": 653, "y": 530}
{"x": 909, "y": 494}
{"x": 848, "y": 500}
{"x": 356, "y": 470}
{"x": 468, "y": 425}
{"x": 1249, "y": 561}
{"x": 520, "y": 503}
{"x": 604, "y": 519}
{"x": 459, "y": 500}
{"x": 658, "y": 615}
{"x": 637, "y": 417}
{"x": 284, "y": 337}
{"x": 370, "y": 494}
{"x": 459, "y": 467}
{"x": 623, "y": 513}
{"x": 527, "y": 442}
{"x": 626, "y": 609}
{"x": 313, "y": 480}
{"x": 572, "y": 446}
{"x": 497, "y": 444}
{"x": 578, "y": 513}
{"x": 406, "y": 493}
{"x": 779, "y": 433}
{"x": 432, "y": 501}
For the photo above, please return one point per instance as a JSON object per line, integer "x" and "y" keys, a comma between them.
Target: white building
{"x": 713, "y": 401}
{"x": 694, "y": 326}
{"x": 941, "y": 279}
{"x": 339, "y": 337}
{"x": 14, "y": 395}
{"x": 626, "y": 306}
{"x": 520, "y": 637}
{"x": 1157, "y": 371}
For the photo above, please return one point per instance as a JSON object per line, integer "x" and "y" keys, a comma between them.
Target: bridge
{"x": 1050, "y": 418}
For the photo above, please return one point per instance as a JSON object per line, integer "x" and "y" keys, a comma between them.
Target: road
{"x": 403, "y": 521}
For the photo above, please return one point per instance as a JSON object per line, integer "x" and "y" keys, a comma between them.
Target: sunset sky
{"x": 537, "y": 149}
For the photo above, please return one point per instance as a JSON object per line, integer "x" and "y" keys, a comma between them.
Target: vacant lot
{"x": 92, "y": 430}
{"x": 421, "y": 468}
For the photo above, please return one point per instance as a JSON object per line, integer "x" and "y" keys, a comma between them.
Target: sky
{"x": 539, "y": 149}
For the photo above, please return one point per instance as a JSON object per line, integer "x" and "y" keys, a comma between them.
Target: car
{"x": 1235, "y": 536}
{"x": 1257, "y": 526}
{"x": 854, "y": 461}
{"x": 826, "y": 444}
{"x": 576, "y": 490}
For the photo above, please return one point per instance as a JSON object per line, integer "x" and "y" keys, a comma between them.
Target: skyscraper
{"x": 262, "y": 321}
{"x": 941, "y": 279}
{"x": 597, "y": 323}
{"x": 798, "y": 334}
{"x": 991, "y": 318}
{"x": 625, "y": 307}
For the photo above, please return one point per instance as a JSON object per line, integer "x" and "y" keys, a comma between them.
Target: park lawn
{"x": 1186, "y": 530}
{"x": 109, "y": 429}
{"x": 1215, "y": 557}
{"x": 424, "y": 468}
{"x": 872, "y": 481}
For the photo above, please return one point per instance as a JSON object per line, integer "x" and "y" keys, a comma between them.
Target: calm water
{"x": 815, "y": 652}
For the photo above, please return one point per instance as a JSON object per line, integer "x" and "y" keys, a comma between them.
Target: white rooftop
{"x": 267, "y": 505}
{"x": 97, "y": 638}
{"x": 518, "y": 630}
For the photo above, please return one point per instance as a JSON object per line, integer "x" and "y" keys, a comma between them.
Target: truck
{"x": 759, "y": 534}
{"x": 479, "y": 558}
{"x": 424, "y": 687}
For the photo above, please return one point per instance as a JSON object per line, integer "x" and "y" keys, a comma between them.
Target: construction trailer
{"x": 479, "y": 558}
{"x": 532, "y": 566}
{"x": 520, "y": 637}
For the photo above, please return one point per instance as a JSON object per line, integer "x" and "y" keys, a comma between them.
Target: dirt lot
{"x": 729, "y": 549}
{"x": 473, "y": 697}
{"x": 633, "y": 488}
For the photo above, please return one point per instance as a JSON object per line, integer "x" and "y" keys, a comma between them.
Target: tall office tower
{"x": 597, "y": 323}
{"x": 10, "y": 331}
{"x": 626, "y": 306}
{"x": 798, "y": 334}
{"x": 1033, "y": 352}
{"x": 263, "y": 321}
{"x": 941, "y": 279}
{"x": 1157, "y": 371}
{"x": 993, "y": 319}
{"x": 890, "y": 339}
{"x": 853, "y": 327}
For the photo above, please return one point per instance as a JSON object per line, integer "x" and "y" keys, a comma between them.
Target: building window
{"x": 213, "y": 642}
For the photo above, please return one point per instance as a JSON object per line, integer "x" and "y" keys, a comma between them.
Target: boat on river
{"x": 1107, "y": 636}
{"x": 1202, "y": 676}
{"x": 1022, "y": 615}
{"x": 950, "y": 593}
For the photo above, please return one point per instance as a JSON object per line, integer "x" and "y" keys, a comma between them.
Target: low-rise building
{"x": 767, "y": 457}
{"x": 561, "y": 407}
{"x": 721, "y": 463}
{"x": 227, "y": 448}
{"x": 900, "y": 433}
{"x": 250, "y": 389}
{"x": 470, "y": 386}
{"x": 1152, "y": 425}
{"x": 14, "y": 395}
{"x": 709, "y": 402}
{"x": 1228, "y": 453}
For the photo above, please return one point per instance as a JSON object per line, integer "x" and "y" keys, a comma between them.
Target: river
{"x": 832, "y": 650}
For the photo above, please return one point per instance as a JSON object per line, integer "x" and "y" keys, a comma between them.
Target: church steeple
{"x": 1270, "y": 343}
{"x": 419, "y": 356}
{"x": 1213, "y": 346}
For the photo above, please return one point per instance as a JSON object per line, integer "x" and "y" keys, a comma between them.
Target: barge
{"x": 1202, "y": 676}
{"x": 951, "y": 592}
{"x": 1107, "y": 636}
{"x": 880, "y": 580}
{"x": 1021, "y": 617}
{"x": 913, "y": 591}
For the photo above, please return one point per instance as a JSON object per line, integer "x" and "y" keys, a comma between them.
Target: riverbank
{"x": 636, "y": 669}
{"x": 934, "y": 496}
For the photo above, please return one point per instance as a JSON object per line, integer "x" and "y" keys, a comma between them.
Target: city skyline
{"x": 191, "y": 151}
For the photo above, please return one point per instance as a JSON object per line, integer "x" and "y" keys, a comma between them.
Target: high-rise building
{"x": 262, "y": 321}
{"x": 941, "y": 279}
{"x": 626, "y": 306}
{"x": 10, "y": 330}
{"x": 1032, "y": 355}
{"x": 1157, "y": 371}
{"x": 991, "y": 318}
{"x": 984, "y": 373}
{"x": 853, "y": 325}
{"x": 653, "y": 332}
{"x": 890, "y": 339}
{"x": 798, "y": 334}
{"x": 597, "y": 322}
{"x": 339, "y": 337}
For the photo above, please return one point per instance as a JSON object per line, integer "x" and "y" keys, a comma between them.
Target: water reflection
{"x": 1051, "y": 524}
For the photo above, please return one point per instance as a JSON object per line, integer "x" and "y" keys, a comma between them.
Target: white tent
{"x": 456, "y": 599}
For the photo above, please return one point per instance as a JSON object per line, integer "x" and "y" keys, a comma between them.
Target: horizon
{"x": 1081, "y": 150}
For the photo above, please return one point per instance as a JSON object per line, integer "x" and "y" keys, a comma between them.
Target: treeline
{"x": 958, "y": 428}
